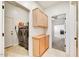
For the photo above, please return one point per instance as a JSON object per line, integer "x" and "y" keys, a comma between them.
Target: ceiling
{"x": 16, "y": 4}
{"x": 46, "y": 4}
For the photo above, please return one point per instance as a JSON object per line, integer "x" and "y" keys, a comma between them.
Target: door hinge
{"x": 2, "y": 34}
{"x": 2, "y": 6}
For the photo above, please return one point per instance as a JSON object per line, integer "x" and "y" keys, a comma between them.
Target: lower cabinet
{"x": 47, "y": 42}
{"x": 40, "y": 44}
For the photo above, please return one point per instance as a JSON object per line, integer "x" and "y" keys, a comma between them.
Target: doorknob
{"x": 2, "y": 34}
{"x": 75, "y": 38}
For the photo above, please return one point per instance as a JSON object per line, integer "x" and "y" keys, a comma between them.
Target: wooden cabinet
{"x": 40, "y": 44}
{"x": 36, "y": 47}
{"x": 40, "y": 19}
{"x": 47, "y": 42}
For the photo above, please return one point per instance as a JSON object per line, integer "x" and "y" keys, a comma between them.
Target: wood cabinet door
{"x": 43, "y": 20}
{"x": 40, "y": 18}
{"x": 46, "y": 21}
{"x": 47, "y": 42}
{"x": 36, "y": 47}
{"x": 34, "y": 14}
{"x": 42, "y": 45}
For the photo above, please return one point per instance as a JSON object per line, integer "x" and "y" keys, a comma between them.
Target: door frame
{"x": 70, "y": 42}
{"x": 73, "y": 14}
{"x": 67, "y": 43}
{"x": 20, "y": 5}
{"x": 2, "y": 29}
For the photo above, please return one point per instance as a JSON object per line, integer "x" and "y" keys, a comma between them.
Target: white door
{"x": 72, "y": 28}
{"x": 8, "y": 31}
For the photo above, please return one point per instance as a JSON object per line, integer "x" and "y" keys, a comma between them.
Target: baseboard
{"x": 7, "y": 47}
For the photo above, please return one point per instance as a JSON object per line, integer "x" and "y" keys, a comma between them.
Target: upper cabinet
{"x": 40, "y": 19}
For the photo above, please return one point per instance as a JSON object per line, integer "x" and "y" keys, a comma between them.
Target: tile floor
{"x": 54, "y": 53}
{"x": 16, "y": 51}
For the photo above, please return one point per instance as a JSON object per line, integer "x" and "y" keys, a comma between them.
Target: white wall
{"x": 16, "y": 12}
{"x": 57, "y": 10}
{"x": 32, "y": 31}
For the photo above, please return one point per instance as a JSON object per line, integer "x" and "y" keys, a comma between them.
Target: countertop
{"x": 39, "y": 36}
